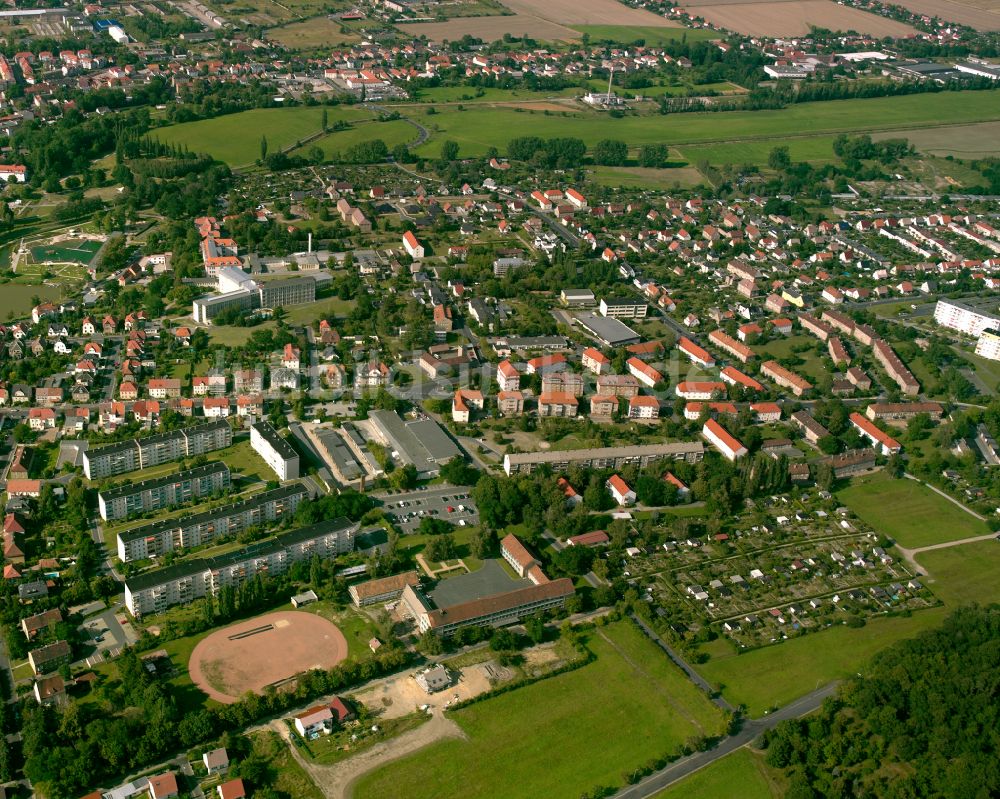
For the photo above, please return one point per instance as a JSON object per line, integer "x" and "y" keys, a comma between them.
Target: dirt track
{"x": 225, "y": 669}
{"x": 337, "y": 781}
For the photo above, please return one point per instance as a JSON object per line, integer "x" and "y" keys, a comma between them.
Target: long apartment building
{"x": 895, "y": 368}
{"x": 142, "y": 453}
{"x": 964, "y": 318}
{"x": 603, "y": 457}
{"x": 725, "y": 342}
{"x": 276, "y": 451}
{"x": 785, "y": 378}
{"x": 188, "y": 580}
{"x": 129, "y": 499}
{"x": 171, "y": 535}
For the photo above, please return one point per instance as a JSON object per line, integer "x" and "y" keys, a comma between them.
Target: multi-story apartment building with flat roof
{"x": 128, "y": 499}
{"x": 142, "y": 453}
{"x": 188, "y": 580}
{"x": 171, "y": 535}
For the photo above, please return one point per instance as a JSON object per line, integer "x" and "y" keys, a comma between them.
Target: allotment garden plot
{"x": 789, "y": 571}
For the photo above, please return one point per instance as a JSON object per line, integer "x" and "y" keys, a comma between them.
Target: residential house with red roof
{"x": 723, "y": 440}
{"x": 620, "y": 491}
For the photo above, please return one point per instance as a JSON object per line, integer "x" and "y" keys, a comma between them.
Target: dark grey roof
{"x": 129, "y": 488}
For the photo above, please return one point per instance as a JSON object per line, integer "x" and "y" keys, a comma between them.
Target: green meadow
{"x": 236, "y": 138}
{"x": 588, "y": 727}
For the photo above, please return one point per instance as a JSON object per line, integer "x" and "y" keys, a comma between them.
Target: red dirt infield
{"x": 252, "y": 654}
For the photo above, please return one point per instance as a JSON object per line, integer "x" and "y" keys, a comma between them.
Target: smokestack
{"x": 310, "y": 248}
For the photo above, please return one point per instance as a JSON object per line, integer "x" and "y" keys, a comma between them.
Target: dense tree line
{"x": 922, "y": 721}
{"x": 558, "y": 153}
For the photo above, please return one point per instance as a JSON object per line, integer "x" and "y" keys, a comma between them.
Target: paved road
{"x": 693, "y": 675}
{"x": 680, "y": 769}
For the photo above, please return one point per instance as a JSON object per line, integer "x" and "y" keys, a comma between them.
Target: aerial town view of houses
{"x": 500, "y": 399}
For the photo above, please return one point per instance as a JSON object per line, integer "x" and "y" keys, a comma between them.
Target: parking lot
{"x": 110, "y": 631}
{"x": 451, "y": 503}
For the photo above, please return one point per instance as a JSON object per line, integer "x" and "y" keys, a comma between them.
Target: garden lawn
{"x": 566, "y": 734}
{"x": 326, "y": 308}
{"x": 773, "y": 676}
{"x": 243, "y": 460}
{"x": 229, "y": 336}
{"x": 739, "y": 775}
{"x": 236, "y": 138}
{"x": 477, "y": 129}
{"x": 909, "y": 512}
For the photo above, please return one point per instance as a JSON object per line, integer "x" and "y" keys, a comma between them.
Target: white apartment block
{"x": 964, "y": 318}
{"x": 276, "y": 451}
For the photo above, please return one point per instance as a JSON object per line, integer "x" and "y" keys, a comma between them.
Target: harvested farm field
{"x": 983, "y": 15}
{"x": 492, "y": 29}
{"x": 540, "y": 20}
{"x": 793, "y": 17}
{"x": 588, "y": 12}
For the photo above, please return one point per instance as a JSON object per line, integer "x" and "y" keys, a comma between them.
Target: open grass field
{"x": 477, "y": 129}
{"x": 813, "y": 149}
{"x": 653, "y": 36}
{"x": 587, "y": 728}
{"x": 908, "y": 512}
{"x": 798, "y": 18}
{"x": 392, "y": 133}
{"x": 15, "y": 298}
{"x": 962, "y": 141}
{"x": 775, "y": 675}
{"x": 982, "y": 15}
{"x": 964, "y": 574}
{"x": 235, "y": 138}
{"x": 740, "y": 775}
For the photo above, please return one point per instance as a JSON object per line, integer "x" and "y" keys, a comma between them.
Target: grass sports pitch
{"x": 588, "y": 727}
